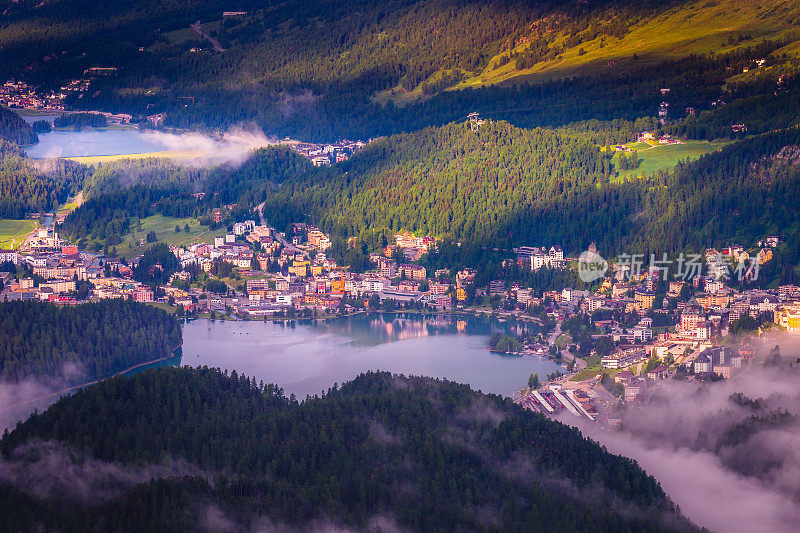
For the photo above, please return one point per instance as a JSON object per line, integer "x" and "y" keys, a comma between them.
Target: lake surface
{"x": 30, "y": 119}
{"x": 307, "y": 359}
{"x": 89, "y": 142}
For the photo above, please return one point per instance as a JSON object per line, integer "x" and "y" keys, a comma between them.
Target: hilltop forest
{"x": 13, "y": 128}
{"x": 378, "y": 452}
{"x": 82, "y": 342}
{"x": 502, "y": 186}
{"x": 26, "y": 186}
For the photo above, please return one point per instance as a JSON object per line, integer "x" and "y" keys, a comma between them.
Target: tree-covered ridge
{"x": 108, "y": 216}
{"x": 740, "y": 194}
{"x": 84, "y": 342}
{"x": 425, "y": 454}
{"x": 295, "y": 43}
{"x": 503, "y": 187}
{"x": 14, "y": 129}
{"x": 27, "y": 186}
{"x": 150, "y": 172}
{"x": 445, "y": 181}
{"x": 263, "y": 170}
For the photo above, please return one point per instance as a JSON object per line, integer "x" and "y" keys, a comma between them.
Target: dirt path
{"x": 199, "y": 31}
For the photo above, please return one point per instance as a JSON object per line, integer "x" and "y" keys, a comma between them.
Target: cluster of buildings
{"x": 326, "y": 154}
{"x": 536, "y": 258}
{"x": 408, "y": 245}
{"x": 649, "y": 137}
{"x": 278, "y": 274}
{"x": 303, "y": 277}
{"x": 20, "y": 95}
{"x": 658, "y": 327}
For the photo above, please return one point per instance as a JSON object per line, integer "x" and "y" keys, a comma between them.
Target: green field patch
{"x": 664, "y": 157}
{"x": 164, "y": 227}
{"x": 164, "y": 154}
{"x": 12, "y": 232}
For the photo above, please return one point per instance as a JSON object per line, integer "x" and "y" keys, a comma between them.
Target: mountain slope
{"x": 94, "y": 340}
{"x": 26, "y": 186}
{"x": 416, "y": 453}
{"x": 502, "y": 186}
{"x": 325, "y": 62}
{"x": 672, "y": 31}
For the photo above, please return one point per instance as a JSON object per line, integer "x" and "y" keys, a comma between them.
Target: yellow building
{"x": 300, "y": 270}
{"x": 675, "y": 288}
{"x": 461, "y": 294}
{"x": 788, "y": 317}
{"x": 643, "y": 299}
{"x": 713, "y": 300}
{"x": 337, "y": 286}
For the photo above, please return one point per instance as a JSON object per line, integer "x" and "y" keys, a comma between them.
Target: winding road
{"x": 199, "y": 31}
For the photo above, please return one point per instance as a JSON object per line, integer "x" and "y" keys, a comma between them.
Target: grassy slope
{"x": 13, "y": 231}
{"x": 700, "y": 27}
{"x": 165, "y": 231}
{"x": 665, "y": 157}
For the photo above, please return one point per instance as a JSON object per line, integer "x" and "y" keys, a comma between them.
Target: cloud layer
{"x": 727, "y": 453}
{"x": 234, "y": 146}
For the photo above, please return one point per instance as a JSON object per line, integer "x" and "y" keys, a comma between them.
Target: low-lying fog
{"x": 727, "y": 453}
{"x": 193, "y": 148}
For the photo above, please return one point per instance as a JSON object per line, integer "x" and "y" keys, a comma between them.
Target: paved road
{"x": 196, "y": 27}
{"x": 580, "y": 364}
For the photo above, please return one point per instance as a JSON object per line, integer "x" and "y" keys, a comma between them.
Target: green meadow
{"x": 164, "y": 227}
{"x": 664, "y": 157}
{"x": 12, "y": 232}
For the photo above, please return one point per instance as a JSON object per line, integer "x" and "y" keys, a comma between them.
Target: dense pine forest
{"x": 28, "y": 186}
{"x": 380, "y": 451}
{"x": 502, "y": 186}
{"x": 83, "y": 342}
{"x": 444, "y": 181}
{"x": 14, "y": 129}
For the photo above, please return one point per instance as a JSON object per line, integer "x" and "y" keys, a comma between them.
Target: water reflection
{"x": 378, "y": 328}
{"x": 306, "y": 357}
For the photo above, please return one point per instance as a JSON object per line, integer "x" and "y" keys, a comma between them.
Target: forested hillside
{"x": 108, "y": 217}
{"x": 445, "y": 181}
{"x": 82, "y": 342}
{"x": 27, "y": 186}
{"x": 379, "y": 452}
{"x": 326, "y": 69}
{"x": 14, "y": 129}
{"x": 498, "y": 187}
{"x": 503, "y": 187}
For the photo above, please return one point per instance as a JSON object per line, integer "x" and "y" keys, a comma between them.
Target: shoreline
{"x": 455, "y": 312}
{"x": 63, "y": 392}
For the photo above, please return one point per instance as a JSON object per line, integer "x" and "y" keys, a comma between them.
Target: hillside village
{"x": 633, "y": 329}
